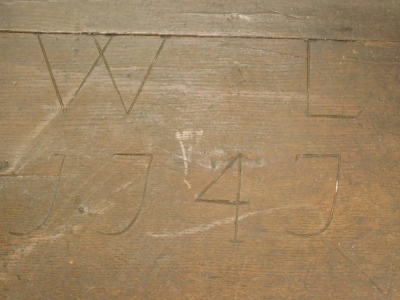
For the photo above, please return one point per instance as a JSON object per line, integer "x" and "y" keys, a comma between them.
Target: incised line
{"x": 220, "y": 201}
{"x": 359, "y": 269}
{"x": 332, "y": 211}
{"x": 214, "y": 36}
{"x": 90, "y": 71}
{"x": 237, "y": 202}
{"x": 101, "y": 53}
{"x": 229, "y": 165}
{"x": 238, "y": 196}
{"x": 328, "y": 116}
{"x": 240, "y": 278}
{"x": 308, "y": 76}
{"x": 50, "y": 72}
{"x": 143, "y": 197}
{"x": 64, "y": 109}
{"x": 51, "y": 206}
{"x": 147, "y": 75}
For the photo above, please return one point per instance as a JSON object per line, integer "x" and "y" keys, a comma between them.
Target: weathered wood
{"x": 346, "y": 76}
{"x": 359, "y": 20}
{"x": 147, "y": 167}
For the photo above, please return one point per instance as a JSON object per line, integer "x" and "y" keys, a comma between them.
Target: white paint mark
{"x": 124, "y": 186}
{"x": 219, "y": 152}
{"x": 187, "y": 183}
{"x": 28, "y": 247}
{"x": 184, "y": 156}
{"x": 23, "y": 251}
{"x": 243, "y": 17}
{"x": 206, "y": 227}
{"x": 99, "y": 208}
{"x": 188, "y": 135}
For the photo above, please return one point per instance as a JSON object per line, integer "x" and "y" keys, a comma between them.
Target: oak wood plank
{"x": 346, "y": 76}
{"x": 209, "y": 108}
{"x": 356, "y": 20}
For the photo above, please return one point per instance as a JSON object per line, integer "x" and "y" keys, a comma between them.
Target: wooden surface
{"x": 333, "y": 19}
{"x": 181, "y": 167}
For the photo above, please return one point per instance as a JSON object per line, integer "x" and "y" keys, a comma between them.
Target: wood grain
{"x": 355, "y": 20}
{"x": 346, "y": 76}
{"x": 243, "y": 170}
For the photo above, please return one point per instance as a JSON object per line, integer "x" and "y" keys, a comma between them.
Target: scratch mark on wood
{"x": 50, "y": 72}
{"x": 329, "y": 116}
{"x": 373, "y": 283}
{"x": 237, "y": 202}
{"x": 101, "y": 53}
{"x": 230, "y": 220}
{"x": 63, "y": 107}
{"x": 221, "y": 201}
{"x": 238, "y": 196}
{"x": 332, "y": 211}
{"x": 89, "y": 72}
{"x": 228, "y": 166}
{"x": 244, "y": 16}
{"x": 14, "y": 259}
{"x": 287, "y": 15}
{"x": 143, "y": 195}
{"x": 147, "y": 75}
{"x": 240, "y": 278}
{"x": 51, "y": 206}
